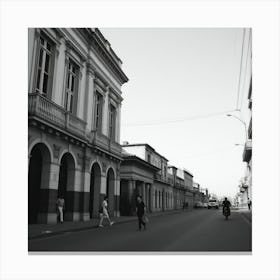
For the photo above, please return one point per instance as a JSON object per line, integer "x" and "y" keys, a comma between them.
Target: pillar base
{"x": 85, "y": 217}
{"x": 47, "y": 218}
{"x": 72, "y": 216}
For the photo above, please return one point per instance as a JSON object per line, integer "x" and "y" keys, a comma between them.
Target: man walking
{"x": 249, "y": 203}
{"x": 60, "y": 206}
{"x": 104, "y": 212}
{"x": 140, "y": 211}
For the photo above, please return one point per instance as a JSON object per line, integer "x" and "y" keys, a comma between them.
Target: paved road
{"x": 197, "y": 230}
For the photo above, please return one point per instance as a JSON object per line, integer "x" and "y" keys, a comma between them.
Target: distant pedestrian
{"x": 60, "y": 203}
{"x": 103, "y": 212}
{"x": 249, "y": 203}
{"x": 141, "y": 211}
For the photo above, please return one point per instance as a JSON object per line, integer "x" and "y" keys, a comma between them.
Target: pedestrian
{"x": 249, "y": 203}
{"x": 104, "y": 212}
{"x": 141, "y": 211}
{"x": 226, "y": 205}
{"x": 60, "y": 203}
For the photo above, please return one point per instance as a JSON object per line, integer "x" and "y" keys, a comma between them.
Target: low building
{"x": 189, "y": 195}
{"x": 163, "y": 187}
{"x": 159, "y": 192}
{"x": 137, "y": 178}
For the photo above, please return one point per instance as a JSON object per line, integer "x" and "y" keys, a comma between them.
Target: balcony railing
{"x": 48, "y": 111}
{"x": 103, "y": 142}
{"x": 161, "y": 178}
{"x": 247, "y": 152}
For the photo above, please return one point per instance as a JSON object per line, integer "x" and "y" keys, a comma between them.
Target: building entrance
{"x": 38, "y": 174}
{"x": 95, "y": 183}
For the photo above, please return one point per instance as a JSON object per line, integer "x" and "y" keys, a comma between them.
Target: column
{"x": 105, "y": 111}
{"x": 48, "y": 193}
{"x": 117, "y": 198}
{"x": 86, "y": 195}
{"x": 73, "y": 194}
{"x": 102, "y": 193}
{"x": 147, "y": 197}
{"x": 32, "y": 43}
{"x": 118, "y": 128}
{"x": 163, "y": 200}
{"x": 152, "y": 198}
{"x": 132, "y": 196}
{"x": 89, "y": 97}
{"x": 143, "y": 192}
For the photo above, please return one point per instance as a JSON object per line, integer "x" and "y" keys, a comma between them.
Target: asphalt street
{"x": 200, "y": 230}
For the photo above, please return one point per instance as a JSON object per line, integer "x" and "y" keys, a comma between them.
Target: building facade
{"x": 188, "y": 177}
{"x": 137, "y": 178}
{"x": 74, "y": 105}
{"x": 246, "y": 181}
{"x": 150, "y": 179}
{"x": 163, "y": 188}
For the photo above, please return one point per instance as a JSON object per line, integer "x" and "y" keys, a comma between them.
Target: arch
{"x": 38, "y": 180}
{"x": 110, "y": 189}
{"x": 156, "y": 202}
{"x": 95, "y": 162}
{"x": 95, "y": 187}
{"x": 112, "y": 168}
{"x": 66, "y": 173}
{"x": 67, "y": 151}
{"x": 40, "y": 141}
{"x": 66, "y": 183}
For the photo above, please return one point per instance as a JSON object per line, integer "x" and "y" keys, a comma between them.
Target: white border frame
{"x": 17, "y": 16}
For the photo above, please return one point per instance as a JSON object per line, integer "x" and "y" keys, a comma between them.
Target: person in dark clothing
{"x": 249, "y": 203}
{"x": 226, "y": 204}
{"x": 140, "y": 211}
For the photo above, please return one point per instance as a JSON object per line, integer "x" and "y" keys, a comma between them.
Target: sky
{"x": 182, "y": 83}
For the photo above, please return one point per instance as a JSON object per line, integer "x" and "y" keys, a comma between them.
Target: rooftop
{"x": 146, "y": 145}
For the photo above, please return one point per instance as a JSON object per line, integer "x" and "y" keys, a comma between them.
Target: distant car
{"x": 205, "y": 205}
{"x": 213, "y": 203}
{"x": 198, "y": 205}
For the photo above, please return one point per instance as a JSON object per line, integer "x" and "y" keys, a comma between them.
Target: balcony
{"x": 247, "y": 152}
{"x": 170, "y": 181}
{"x": 49, "y": 112}
{"x": 161, "y": 178}
{"x": 102, "y": 141}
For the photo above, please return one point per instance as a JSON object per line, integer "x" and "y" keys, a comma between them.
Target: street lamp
{"x": 245, "y": 126}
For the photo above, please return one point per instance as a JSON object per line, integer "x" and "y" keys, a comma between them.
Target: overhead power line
{"x": 212, "y": 153}
{"x": 240, "y": 69}
{"x": 170, "y": 121}
{"x": 246, "y": 66}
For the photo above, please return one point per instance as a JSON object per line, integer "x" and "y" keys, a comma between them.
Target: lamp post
{"x": 245, "y": 126}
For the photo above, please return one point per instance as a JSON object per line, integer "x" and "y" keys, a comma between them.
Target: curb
{"x": 44, "y": 235}
{"x": 132, "y": 219}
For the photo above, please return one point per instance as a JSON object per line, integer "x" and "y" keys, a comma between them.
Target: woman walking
{"x": 104, "y": 212}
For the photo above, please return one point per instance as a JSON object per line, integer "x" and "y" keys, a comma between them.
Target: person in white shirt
{"x": 104, "y": 212}
{"x": 60, "y": 206}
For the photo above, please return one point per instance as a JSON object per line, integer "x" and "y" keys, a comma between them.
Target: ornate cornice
{"x": 95, "y": 40}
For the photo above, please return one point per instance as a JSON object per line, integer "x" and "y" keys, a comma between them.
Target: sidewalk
{"x": 43, "y": 230}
